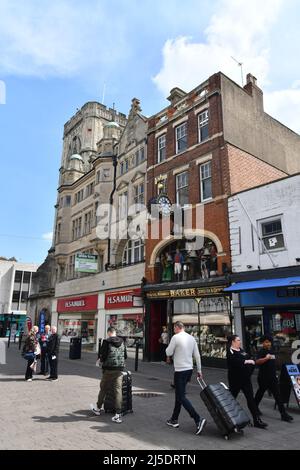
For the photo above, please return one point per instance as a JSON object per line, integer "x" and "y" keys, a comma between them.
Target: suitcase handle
{"x": 202, "y": 383}
{"x": 224, "y": 385}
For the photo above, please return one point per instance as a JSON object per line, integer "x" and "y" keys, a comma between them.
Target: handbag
{"x": 37, "y": 351}
{"x": 28, "y": 356}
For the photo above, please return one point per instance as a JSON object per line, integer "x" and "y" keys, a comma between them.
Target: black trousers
{"x": 247, "y": 390}
{"x": 29, "y": 371}
{"x": 271, "y": 384}
{"x": 44, "y": 362}
{"x": 53, "y": 366}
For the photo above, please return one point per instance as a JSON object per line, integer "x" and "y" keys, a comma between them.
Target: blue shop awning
{"x": 264, "y": 284}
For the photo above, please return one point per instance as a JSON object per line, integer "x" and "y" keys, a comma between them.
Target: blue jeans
{"x": 180, "y": 381}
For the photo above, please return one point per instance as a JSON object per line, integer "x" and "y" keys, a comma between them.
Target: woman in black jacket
{"x": 240, "y": 369}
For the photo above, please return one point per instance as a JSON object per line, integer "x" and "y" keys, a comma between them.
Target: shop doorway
{"x": 157, "y": 318}
{"x": 254, "y": 330}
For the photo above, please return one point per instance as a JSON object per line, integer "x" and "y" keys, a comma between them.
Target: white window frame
{"x": 161, "y": 147}
{"x": 139, "y": 193}
{"x": 204, "y": 166}
{"x": 180, "y": 133}
{"x": 178, "y": 178}
{"x": 138, "y": 155}
{"x": 203, "y": 120}
{"x": 133, "y": 248}
{"x": 262, "y": 222}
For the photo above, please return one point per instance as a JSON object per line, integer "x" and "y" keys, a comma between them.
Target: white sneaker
{"x": 28, "y": 380}
{"x": 95, "y": 409}
{"x": 117, "y": 418}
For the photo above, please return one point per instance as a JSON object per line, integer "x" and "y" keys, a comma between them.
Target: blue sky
{"x": 56, "y": 55}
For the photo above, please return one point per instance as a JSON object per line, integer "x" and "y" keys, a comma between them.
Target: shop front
{"x": 205, "y": 312}
{"x": 124, "y": 311}
{"x": 13, "y": 323}
{"x": 269, "y": 307}
{"x": 77, "y": 317}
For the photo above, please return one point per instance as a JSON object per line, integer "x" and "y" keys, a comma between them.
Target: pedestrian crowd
{"x": 44, "y": 347}
{"x": 182, "y": 351}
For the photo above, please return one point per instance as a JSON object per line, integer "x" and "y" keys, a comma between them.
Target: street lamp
{"x": 198, "y": 300}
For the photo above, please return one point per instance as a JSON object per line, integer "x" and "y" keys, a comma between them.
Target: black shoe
{"x": 172, "y": 422}
{"x": 258, "y": 423}
{"x": 200, "y": 426}
{"x": 286, "y": 417}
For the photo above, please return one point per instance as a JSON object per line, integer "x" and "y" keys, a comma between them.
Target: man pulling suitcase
{"x": 112, "y": 355}
{"x": 183, "y": 348}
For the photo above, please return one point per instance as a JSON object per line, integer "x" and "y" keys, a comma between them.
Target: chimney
{"x": 253, "y": 90}
{"x": 251, "y": 79}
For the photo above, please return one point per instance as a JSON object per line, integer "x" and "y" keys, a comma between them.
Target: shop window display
{"x": 86, "y": 329}
{"x": 129, "y": 326}
{"x": 285, "y": 328}
{"x": 213, "y": 339}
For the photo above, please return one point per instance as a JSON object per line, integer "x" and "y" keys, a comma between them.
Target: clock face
{"x": 165, "y": 204}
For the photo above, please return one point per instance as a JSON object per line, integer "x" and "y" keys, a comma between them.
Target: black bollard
{"x": 20, "y": 339}
{"x": 8, "y": 342}
{"x": 137, "y": 345}
{"x": 99, "y": 346}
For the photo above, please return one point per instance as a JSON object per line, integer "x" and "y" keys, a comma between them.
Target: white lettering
{"x": 118, "y": 299}
{"x": 75, "y": 303}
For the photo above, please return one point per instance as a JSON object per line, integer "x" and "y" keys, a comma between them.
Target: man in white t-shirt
{"x": 182, "y": 349}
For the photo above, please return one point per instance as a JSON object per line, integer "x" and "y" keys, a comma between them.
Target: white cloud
{"x": 236, "y": 30}
{"x": 58, "y": 38}
{"x": 47, "y": 236}
{"x": 284, "y": 105}
{"x": 240, "y": 30}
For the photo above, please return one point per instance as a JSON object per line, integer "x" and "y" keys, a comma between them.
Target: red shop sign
{"x": 121, "y": 299}
{"x": 78, "y": 304}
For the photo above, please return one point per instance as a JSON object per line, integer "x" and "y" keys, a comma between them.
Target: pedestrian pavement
{"x": 55, "y": 415}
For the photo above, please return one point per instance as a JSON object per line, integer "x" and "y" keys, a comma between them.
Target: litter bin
{"x": 75, "y": 348}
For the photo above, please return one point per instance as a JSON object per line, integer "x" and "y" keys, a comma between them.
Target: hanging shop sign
{"x": 85, "y": 263}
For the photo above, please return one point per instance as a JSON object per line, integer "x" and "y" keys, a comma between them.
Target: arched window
{"x": 134, "y": 251}
{"x": 76, "y": 145}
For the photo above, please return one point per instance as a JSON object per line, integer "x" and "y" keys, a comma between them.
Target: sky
{"x": 55, "y": 55}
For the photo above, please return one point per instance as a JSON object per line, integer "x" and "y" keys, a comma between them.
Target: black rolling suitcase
{"x": 109, "y": 402}
{"x": 226, "y": 412}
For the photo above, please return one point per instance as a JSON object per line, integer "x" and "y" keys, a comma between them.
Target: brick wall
{"x": 247, "y": 171}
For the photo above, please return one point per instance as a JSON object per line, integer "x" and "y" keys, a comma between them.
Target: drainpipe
{"x": 111, "y": 199}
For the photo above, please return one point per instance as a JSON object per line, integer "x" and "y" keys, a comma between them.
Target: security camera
{"x": 249, "y": 266}
{"x": 298, "y": 260}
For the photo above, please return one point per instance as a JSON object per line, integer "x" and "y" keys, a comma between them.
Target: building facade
{"x": 201, "y": 148}
{"x": 102, "y": 179}
{"x": 264, "y": 233}
{"x": 15, "y": 289}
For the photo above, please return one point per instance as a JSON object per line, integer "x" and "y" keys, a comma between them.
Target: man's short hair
{"x": 266, "y": 338}
{"x": 179, "y": 325}
{"x": 111, "y": 329}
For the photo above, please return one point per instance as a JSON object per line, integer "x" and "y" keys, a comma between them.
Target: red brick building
{"x": 206, "y": 145}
